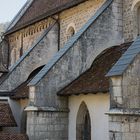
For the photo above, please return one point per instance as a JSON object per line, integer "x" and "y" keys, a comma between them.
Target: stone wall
{"x": 100, "y": 35}
{"x": 130, "y": 19}
{"x": 25, "y": 38}
{"x": 124, "y": 127}
{"x": 47, "y": 125}
{"x": 77, "y": 17}
{"x": 125, "y": 90}
{"x": 131, "y": 85}
{"x": 38, "y": 56}
{"x": 125, "y": 104}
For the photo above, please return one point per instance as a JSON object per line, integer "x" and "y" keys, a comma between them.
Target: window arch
{"x": 83, "y": 123}
{"x": 136, "y": 14}
{"x": 70, "y": 31}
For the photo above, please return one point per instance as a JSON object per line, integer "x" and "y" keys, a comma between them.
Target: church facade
{"x": 69, "y": 70}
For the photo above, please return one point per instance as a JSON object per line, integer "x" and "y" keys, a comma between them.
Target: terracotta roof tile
{"x": 94, "y": 80}
{"x": 7, "y": 136}
{"x": 6, "y": 116}
{"x": 21, "y": 92}
{"x": 41, "y": 9}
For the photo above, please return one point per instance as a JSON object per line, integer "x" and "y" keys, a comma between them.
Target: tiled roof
{"x": 94, "y": 80}
{"x": 7, "y": 136}
{"x": 69, "y": 44}
{"x": 40, "y": 9}
{"x": 126, "y": 59}
{"x": 22, "y": 91}
{"x": 19, "y": 14}
{"x": 6, "y": 116}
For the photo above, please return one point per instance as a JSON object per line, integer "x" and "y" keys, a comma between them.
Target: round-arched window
{"x": 70, "y": 32}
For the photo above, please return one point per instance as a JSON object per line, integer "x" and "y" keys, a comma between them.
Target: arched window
{"x": 70, "y": 32}
{"x": 83, "y": 123}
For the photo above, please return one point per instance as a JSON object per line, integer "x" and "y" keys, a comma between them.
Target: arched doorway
{"x": 83, "y": 123}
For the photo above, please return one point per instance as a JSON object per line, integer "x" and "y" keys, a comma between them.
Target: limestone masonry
{"x": 69, "y": 70}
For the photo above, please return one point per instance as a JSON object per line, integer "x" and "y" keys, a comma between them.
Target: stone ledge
{"x": 44, "y": 109}
{"x": 131, "y": 112}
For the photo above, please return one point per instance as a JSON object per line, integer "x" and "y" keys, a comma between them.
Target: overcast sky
{"x": 9, "y": 8}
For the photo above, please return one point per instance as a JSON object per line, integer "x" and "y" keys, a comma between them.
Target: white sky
{"x": 9, "y": 8}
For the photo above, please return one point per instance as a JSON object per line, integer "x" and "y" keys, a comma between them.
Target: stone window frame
{"x": 136, "y": 19}
{"x": 70, "y": 31}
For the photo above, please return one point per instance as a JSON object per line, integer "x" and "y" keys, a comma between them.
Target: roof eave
{"x": 42, "y": 17}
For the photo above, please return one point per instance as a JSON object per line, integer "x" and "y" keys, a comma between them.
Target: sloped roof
{"x": 7, "y": 136}
{"x": 3, "y": 68}
{"x": 40, "y": 9}
{"x": 6, "y": 116}
{"x": 126, "y": 59}
{"x": 94, "y": 80}
{"x": 69, "y": 44}
{"x": 22, "y": 91}
{"x": 19, "y": 14}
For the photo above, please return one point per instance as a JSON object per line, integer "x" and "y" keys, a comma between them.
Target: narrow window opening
{"x": 83, "y": 123}
{"x": 21, "y": 51}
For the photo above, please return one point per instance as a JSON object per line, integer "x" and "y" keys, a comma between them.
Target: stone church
{"x": 70, "y": 70}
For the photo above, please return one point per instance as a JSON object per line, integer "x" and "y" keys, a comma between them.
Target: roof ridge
{"x": 69, "y": 44}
